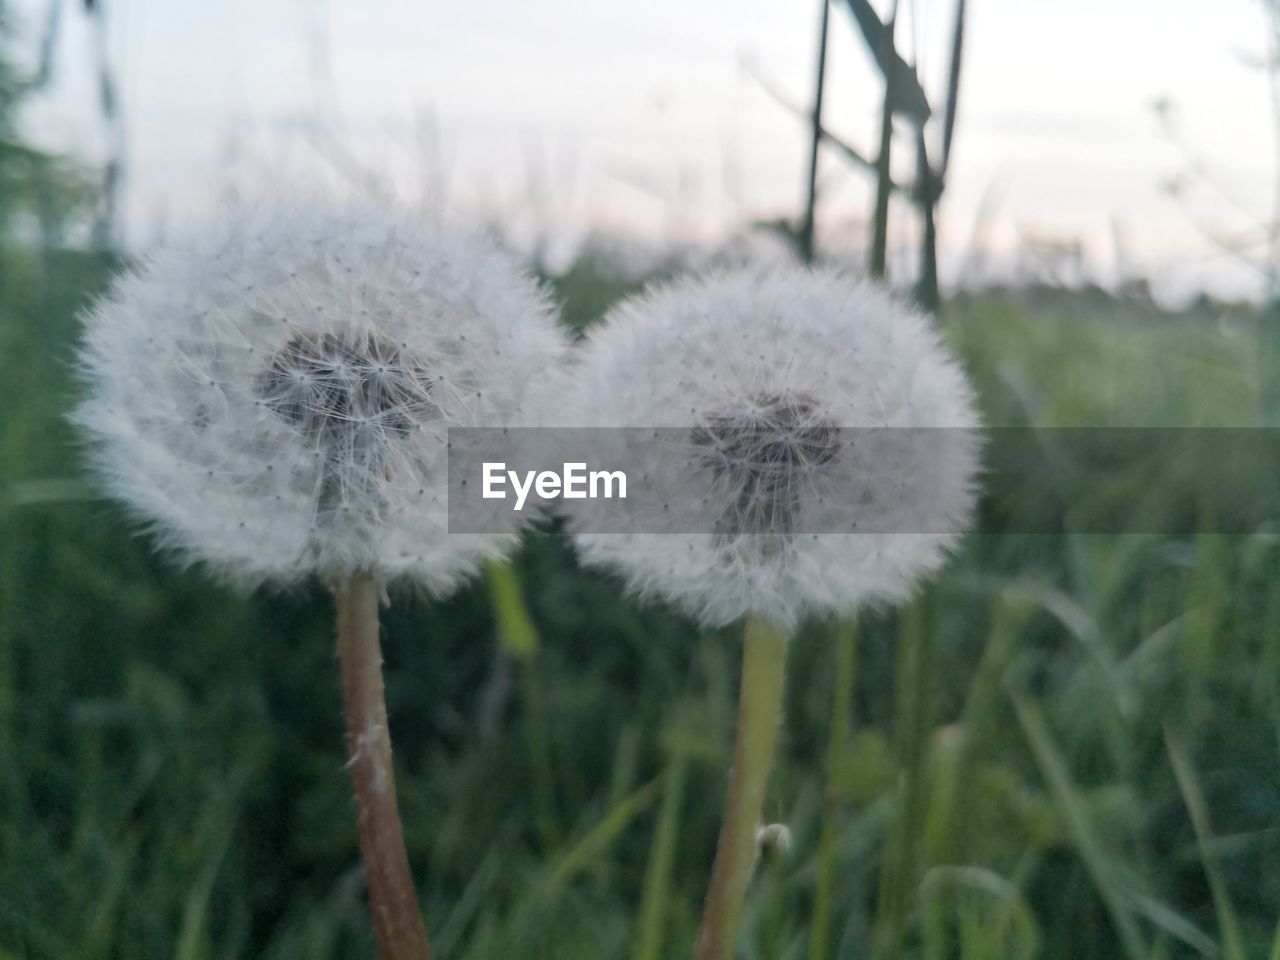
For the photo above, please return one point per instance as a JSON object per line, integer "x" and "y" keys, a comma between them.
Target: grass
{"x": 1068, "y": 748}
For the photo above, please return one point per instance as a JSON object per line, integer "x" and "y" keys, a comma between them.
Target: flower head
{"x": 796, "y": 397}
{"x": 274, "y": 395}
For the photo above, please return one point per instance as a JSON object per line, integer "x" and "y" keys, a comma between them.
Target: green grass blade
{"x": 837, "y": 740}
{"x": 1013, "y": 908}
{"x": 600, "y": 838}
{"x": 1053, "y": 767}
{"x": 912, "y": 721}
{"x": 657, "y": 881}
{"x": 1193, "y": 797}
{"x": 517, "y": 635}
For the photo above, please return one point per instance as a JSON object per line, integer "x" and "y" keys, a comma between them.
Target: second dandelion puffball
{"x": 827, "y": 443}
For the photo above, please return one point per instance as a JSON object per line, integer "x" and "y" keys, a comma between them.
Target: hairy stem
{"x": 759, "y": 710}
{"x": 393, "y": 903}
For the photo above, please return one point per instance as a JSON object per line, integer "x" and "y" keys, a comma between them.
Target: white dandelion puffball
{"x": 788, "y": 389}
{"x": 273, "y": 396}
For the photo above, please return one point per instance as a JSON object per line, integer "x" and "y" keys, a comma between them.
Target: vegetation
{"x": 1067, "y": 747}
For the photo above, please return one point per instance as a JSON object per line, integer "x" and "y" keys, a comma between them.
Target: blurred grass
{"x": 1067, "y": 749}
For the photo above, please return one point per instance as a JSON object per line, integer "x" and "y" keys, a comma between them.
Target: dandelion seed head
{"x": 273, "y": 396}
{"x": 770, "y": 375}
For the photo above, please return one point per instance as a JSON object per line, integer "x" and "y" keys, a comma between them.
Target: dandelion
{"x": 807, "y": 403}
{"x": 272, "y": 399}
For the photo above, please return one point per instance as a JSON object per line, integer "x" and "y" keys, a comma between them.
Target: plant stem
{"x": 927, "y": 184}
{"x": 842, "y": 704}
{"x": 666, "y": 841}
{"x": 393, "y": 903}
{"x": 953, "y": 90}
{"x": 884, "y": 179}
{"x": 759, "y": 709}
{"x": 807, "y": 225}
{"x": 913, "y": 722}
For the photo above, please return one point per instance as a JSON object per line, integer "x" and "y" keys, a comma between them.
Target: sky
{"x": 564, "y": 119}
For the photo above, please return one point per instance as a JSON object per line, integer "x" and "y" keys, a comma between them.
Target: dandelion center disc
{"x": 763, "y": 453}
{"x": 339, "y": 384}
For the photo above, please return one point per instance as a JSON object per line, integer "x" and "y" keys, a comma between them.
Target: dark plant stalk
{"x": 927, "y": 292}
{"x": 884, "y": 181}
{"x": 1273, "y": 67}
{"x": 929, "y": 183}
{"x": 106, "y": 225}
{"x": 953, "y": 90}
{"x": 759, "y": 711}
{"x": 807, "y": 227}
{"x": 908, "y": 96}
{"x": 393, "y": 903}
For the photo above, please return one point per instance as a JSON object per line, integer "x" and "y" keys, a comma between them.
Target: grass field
{"x": 1068, "y": 747}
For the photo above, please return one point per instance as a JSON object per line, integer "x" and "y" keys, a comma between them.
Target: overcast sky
{"x": 563, "y": 117}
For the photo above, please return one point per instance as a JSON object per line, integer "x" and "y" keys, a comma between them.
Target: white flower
{"x": 273, "y": 396}
{"x": 771, "y": 377}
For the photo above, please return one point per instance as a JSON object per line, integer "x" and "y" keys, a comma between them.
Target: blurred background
{"x": 1066, "y": 747}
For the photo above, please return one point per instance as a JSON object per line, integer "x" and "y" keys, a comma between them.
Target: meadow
{"x": 1067, "y": 747}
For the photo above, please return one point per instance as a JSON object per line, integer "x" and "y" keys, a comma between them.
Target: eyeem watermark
{"x": 722, "y": 481}
{"x": 573, "y": 482}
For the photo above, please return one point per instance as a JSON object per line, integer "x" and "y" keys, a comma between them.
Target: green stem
{"x": 759, "y": 710}
{"x": 393, "y": 904}
{"x": 900, "y": 870}
{"x": 842, "y": 702}
{"x": 666, "y": 840}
